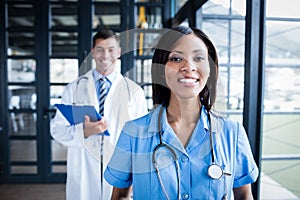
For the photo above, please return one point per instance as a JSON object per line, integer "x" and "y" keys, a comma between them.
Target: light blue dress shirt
{"x": 131, "y": 163}
{"x": 110, "y": 78}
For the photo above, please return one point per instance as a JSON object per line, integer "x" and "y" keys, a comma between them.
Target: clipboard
{"x": 75, "y": 114}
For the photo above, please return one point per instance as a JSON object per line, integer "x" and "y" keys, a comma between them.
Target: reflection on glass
{"x": 21, "y": 43}
{"x": 147, "y": 43}
{"x": 286, "y": 9}
{"x": 21, "y": 15}
{"x": 147, "y": 87}
{"x": 282, "y": 63}
{"x": 23, "y": 150}
{"x": 55, "y": 94}
{"x": 59, "y": 169}
{"x": 23, "y": 169}
{"x": 22, "y": 124}
{"x": 21, "y": 70}
{"x": 107, "y": 15}
{"x": 230, "y": 47}
{"x": 216, "y": 7}
{"x": 149, "y": 17}
{"x": 179, "y": 4}
{"x": 143, "y": 70}
{"x": 218, "y": 30}
{"x": 22, "y": 97}
{"x": 280, "y": 180}
{"x": 281, "y": 119}
{"x": 239, "y": 6}
{"x": 63, "y": 70}
{"x": 64, "y": 43}
{"x": 280, "y": 140}
{"x": 64, "y": 15}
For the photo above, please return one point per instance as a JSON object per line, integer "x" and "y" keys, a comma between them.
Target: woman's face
{"x": 187, "y": 68}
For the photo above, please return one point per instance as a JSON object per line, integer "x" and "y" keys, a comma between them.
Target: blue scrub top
{"x": 131, "y": 163}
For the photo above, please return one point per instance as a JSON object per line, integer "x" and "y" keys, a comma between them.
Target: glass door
{"x": 42, "y": 46}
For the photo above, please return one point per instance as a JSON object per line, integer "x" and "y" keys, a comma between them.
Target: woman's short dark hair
{"x": 160, "y": 91}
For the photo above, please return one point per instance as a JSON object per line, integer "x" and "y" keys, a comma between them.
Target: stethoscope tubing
{"x": 214, "y": 170}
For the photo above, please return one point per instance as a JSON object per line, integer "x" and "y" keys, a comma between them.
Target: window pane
{"x": 278, "y": 8}
{"x": 55, "y": 94}
{"x": 20, "y": 15}
{"x": 280, "y": 147}
{"x": 21, "y": 43}
{"x": 21, "y": 70}
{"x": 23, "y": 169}
{"x": 228, "y": 38}
{"x": 21, "y": 122}
{"x": 64, "y": 43}
{"x": 217, "y": 30}
{"x": 216, "y": 7}
{"x": 145, "y": 43}
{"x": 23, "y": 150}
{"x": 59, "y": 169}
{"x": 282, "y": 63}
{"x": 107, "y": 15}
{"x": 63, "y": 70}
{"x": 149, "y": 17}
{"x": 239, "y": 7}
{"x": 64, "y": 15}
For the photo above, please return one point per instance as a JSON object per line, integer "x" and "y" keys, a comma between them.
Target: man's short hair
{"x": 104, "y": 34}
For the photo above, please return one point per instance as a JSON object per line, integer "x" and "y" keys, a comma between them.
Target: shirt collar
{"x": 154, "y": 119}
{"x": 216, "y": 124}
{"x": 110, "y": 77}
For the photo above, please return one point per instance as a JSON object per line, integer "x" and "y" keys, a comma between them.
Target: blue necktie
{"x": 103, "y": 88}
{"x": 102, "y": 93}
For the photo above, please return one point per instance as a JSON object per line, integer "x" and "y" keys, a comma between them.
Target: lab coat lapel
{"x": 91, "y": 88}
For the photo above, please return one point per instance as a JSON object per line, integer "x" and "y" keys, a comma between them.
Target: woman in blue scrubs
{"x": 183, "y": 149}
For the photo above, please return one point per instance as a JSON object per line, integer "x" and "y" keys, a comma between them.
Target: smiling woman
{"x": 187, "y": 69}
{"x": 200, "y": 143}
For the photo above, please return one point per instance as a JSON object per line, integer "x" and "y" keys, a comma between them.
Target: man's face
{"x": 105, "y": 54}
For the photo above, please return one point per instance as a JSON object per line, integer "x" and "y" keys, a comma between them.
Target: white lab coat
{"x": 83, "y": 161}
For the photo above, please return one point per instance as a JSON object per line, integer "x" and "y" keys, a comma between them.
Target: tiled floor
{"x": 32, "y": 192}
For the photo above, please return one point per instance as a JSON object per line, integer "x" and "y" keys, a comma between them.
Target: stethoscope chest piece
{"x": 215, "y": 171}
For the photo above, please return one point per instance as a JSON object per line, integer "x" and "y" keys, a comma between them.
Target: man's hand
{"x": 93, "y": 128}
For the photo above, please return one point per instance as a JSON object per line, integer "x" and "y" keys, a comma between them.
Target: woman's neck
{"x": 183, "y": 116}
{"x": 185, "y": 110}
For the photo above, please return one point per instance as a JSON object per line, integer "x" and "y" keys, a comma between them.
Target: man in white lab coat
{"x": 125, "y": 101}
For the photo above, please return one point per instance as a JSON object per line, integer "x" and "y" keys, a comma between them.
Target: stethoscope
{"x": 75, "y": 96}
{"x": 84, "y": 96}
{"x": 214, "y": 171}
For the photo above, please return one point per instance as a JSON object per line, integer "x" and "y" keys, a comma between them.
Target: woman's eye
{"x": 175, "y": 59}
{"x": 199, "y": 58}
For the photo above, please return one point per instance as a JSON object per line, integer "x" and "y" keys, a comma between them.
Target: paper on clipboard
{"x": 75, "y": 114}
